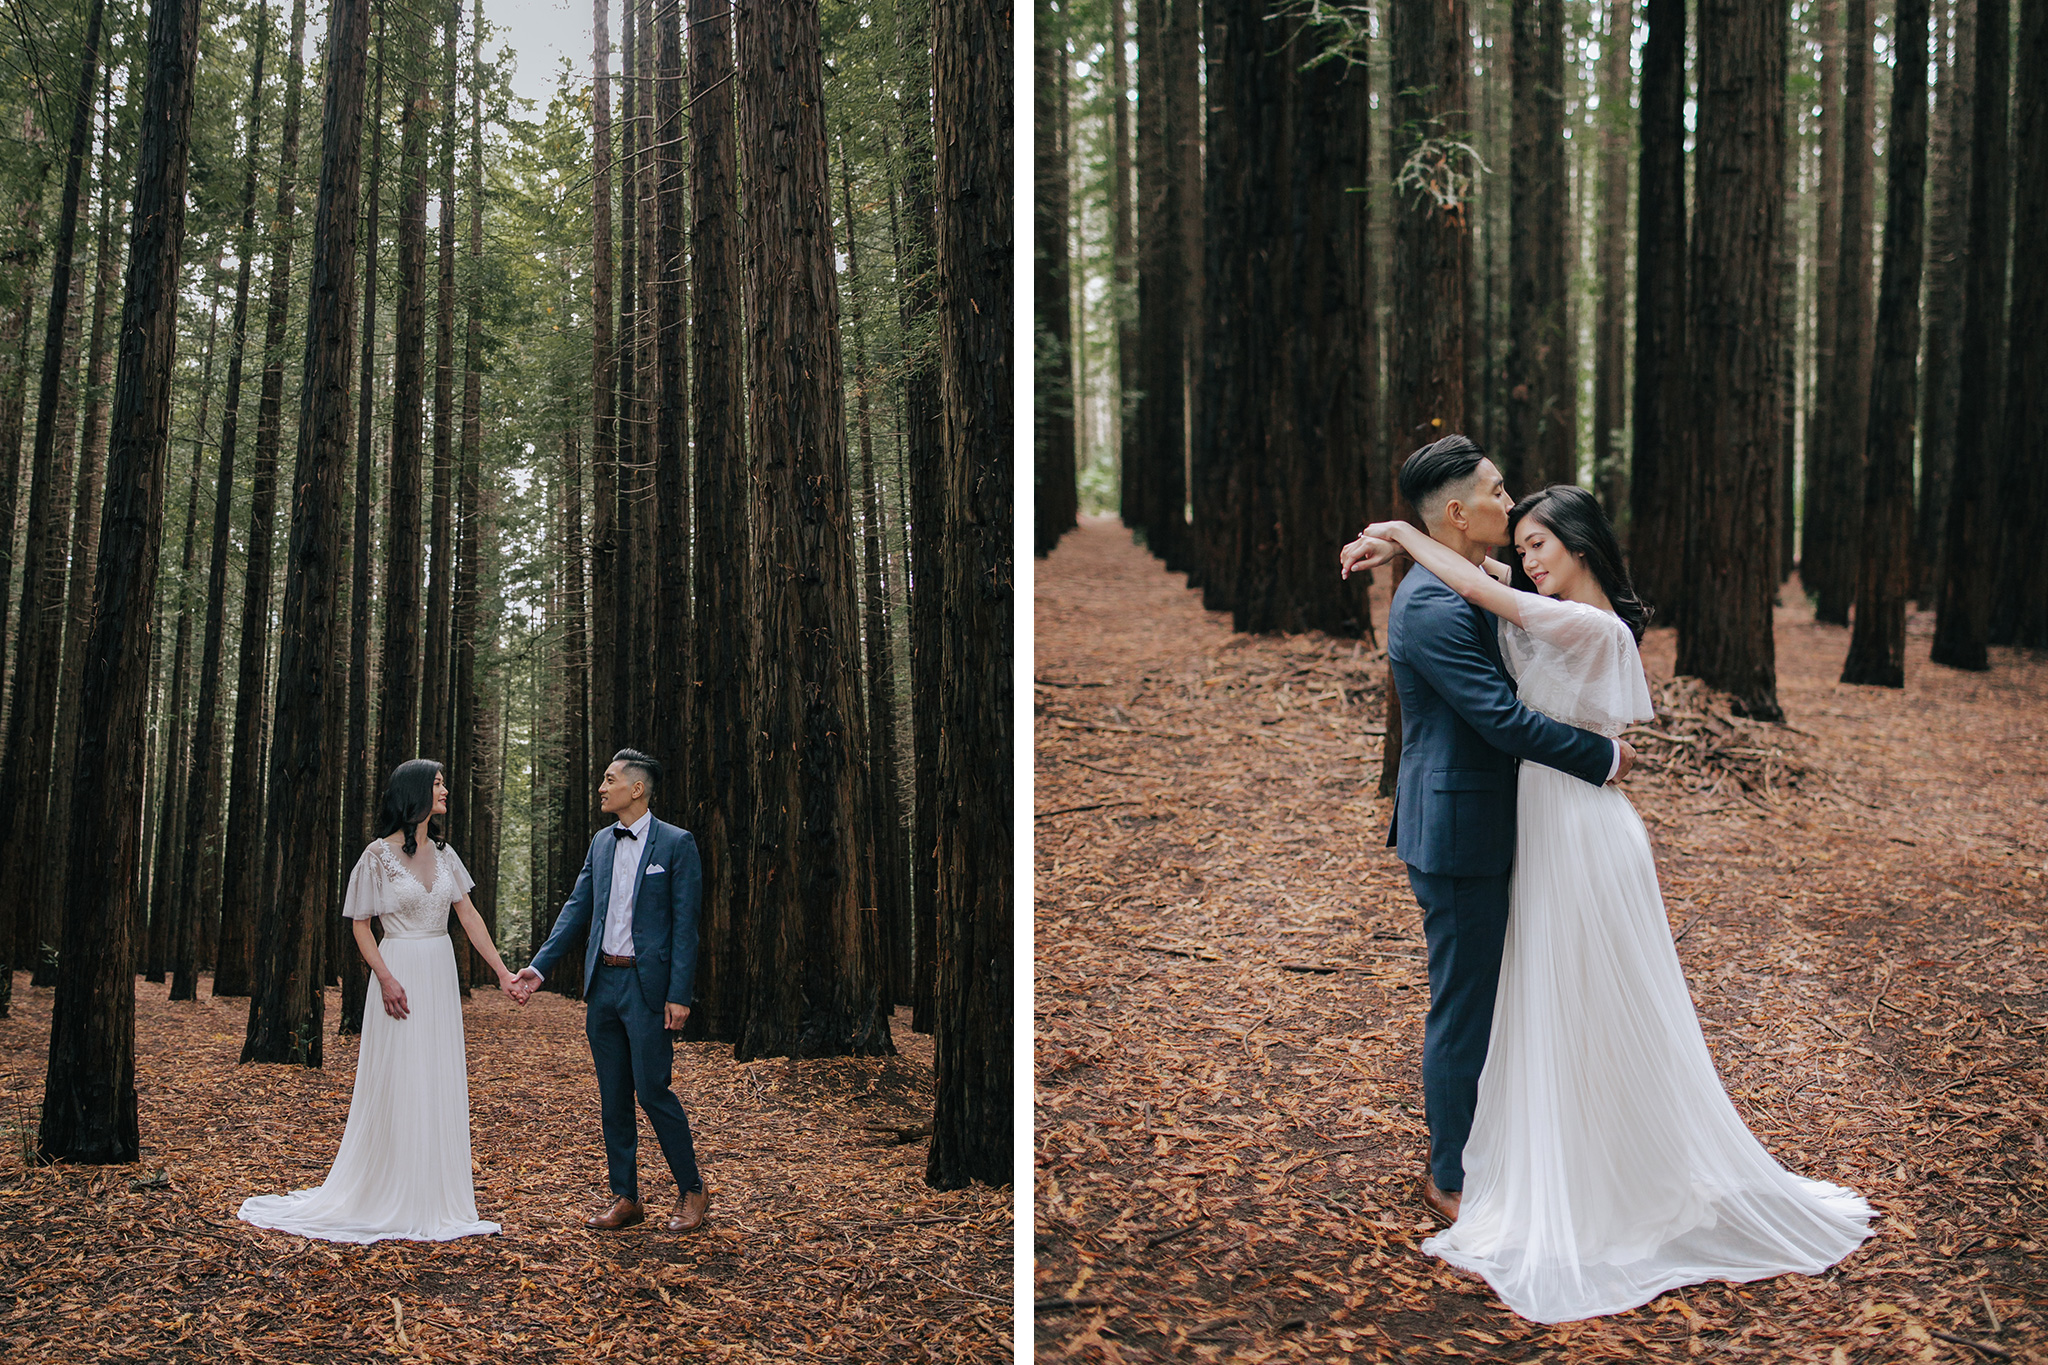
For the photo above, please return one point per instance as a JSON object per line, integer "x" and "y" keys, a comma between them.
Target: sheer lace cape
{"x": 1576, "y": 663}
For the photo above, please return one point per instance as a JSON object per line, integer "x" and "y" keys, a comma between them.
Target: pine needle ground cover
{"x": 824, "y": 1241}
{"x": 1231, "y": 988}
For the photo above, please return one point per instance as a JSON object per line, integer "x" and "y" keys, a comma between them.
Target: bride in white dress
{"x": 1606, "y": 1164}
{"x": 403, "y": 1170}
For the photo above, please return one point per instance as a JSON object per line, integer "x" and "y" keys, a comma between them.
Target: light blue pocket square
{"x": 656, "y": 868}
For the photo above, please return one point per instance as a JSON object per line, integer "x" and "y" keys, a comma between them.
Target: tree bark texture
{"x": 1839, "y": 478}
{"x": 89, "y": 1110}
{"x": 671, "y": 510}
{"x": 817, "y": 977}
{"x": 1725, "y": 635}
{"x": 971, "y": 1120}
{"x": 720, "y": 773}
{"x": 286, "y": 1001}
{"x": 1962, "y": 626}
{"x": 1877, "y": 649}
{"x": 1947, "y": 262}
{"x": 1818, "y": 528}
{"x": 1662, "y": 451}
{"x": 435, "y": 715}
{"x": 2023, "y": 586}
{"x": 1610, "y": 381}
{"x": 1053, "y": 330}
{"x": 604, "y": 390}
{"x": 242, "y": 849}
{"x": 1542, "y": 426}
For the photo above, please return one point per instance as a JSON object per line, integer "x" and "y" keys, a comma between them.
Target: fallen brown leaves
{"x": 1230, "y": 991}
{"x": 824, "y": 1241}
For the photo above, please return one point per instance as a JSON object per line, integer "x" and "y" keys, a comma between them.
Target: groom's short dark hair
{"x": 1447, "y": 460}
{"x": 648, "y": 769}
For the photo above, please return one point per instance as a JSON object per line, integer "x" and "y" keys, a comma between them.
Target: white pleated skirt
{"x": 1606, "y": 1163}
{"x": 403, "y": 1169}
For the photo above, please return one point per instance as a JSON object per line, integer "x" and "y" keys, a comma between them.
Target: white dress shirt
{"x": 618, "y": 915}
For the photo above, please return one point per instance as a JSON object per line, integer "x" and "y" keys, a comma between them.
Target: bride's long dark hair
{"x": 408, "y": 797}
{"x": 1574, "y": 517}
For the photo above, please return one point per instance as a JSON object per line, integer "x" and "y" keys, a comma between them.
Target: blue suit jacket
{"x": 665, "y": 905}
{"x": 1462, "y": 729}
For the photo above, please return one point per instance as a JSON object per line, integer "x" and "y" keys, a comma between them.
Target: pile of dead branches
{"x": 1698, "y": 742}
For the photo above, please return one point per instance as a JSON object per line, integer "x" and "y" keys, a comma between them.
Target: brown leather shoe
{"x": 1443, "y": 1205}
{"x": 691, "y": 1211}
{"x": 622, "y": 1214}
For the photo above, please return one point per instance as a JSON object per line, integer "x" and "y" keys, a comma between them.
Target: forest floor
{"x": 824, "y": 1242}
{"x": 1230, "y": 991}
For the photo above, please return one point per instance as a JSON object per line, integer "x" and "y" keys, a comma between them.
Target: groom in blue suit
{"x": 637, "y": 896}
{"x": 1462, "y": 731}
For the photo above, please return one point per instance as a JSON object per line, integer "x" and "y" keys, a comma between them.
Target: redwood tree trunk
{"x": 1877, "y": 650}
{"x": 971, "y": 1119}
{"x": 1053, "y": 389}
{"x": 671, "y": 509}
{"x": 89, "y": 1111}
{"x": 1660, "y": 465}
{"x": 242, "y": 850}
{"x": 1540, "y": 411}
{"x": 1819, "y": 527}
{"x": 604, "y": 392}
{"x": 1840, "y": 479}
{"x": 720, "y": 776}
{"x": 286, "y": 1003}
{"x": 1725, "y": 634}
{"x": 1947, "y": 226}
{"x": 1426, "y": 364}
{"x": 2023, "y": 585}
{"x": 434, "y": 704}
{"x": 1962, "y": 626}
{"x": 1610, "y": 383}
{"x": 817, "y": 977}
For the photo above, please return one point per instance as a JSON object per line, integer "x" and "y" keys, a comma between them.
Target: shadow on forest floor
{"x": 1231, "y": 990}
{"x": 824, "y": 1243}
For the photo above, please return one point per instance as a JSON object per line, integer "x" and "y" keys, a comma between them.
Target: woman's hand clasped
{"x": 1369, "y": 551}
{"x": 394, "y": 997}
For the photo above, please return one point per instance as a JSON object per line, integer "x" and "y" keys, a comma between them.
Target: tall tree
{"x": 1818, "y": 527}
{"x": 1164, "y": 117}
{"x": 624, "y": 554}
{"x": 435, "y": 715}
{"x": 473, "y": 729}
{"x": 1838, "y": 479}
{"x": 889, "y": 877}
{"x": 203, "y": 792}
{"x": 1947, "y": 227}
{"x": 401, "y": 665}
{"x": 1962, "y": 626}
{"x": 1660, "y": 464}
{"x": 2023, "y": 586}
{"x": 242, "y": 849}
{"x": 89, "y": 1110}
{"x": 286, "y": 1002}
{"x": 971, "y": 1045}
{"x": 817, "y": 979}
{"x": 85, "y": 507}
{"x": 1123, "y": 211}
{"x": 1053, "y": 389}
{"x": 1426, "y": 350}
{"x": 1542, "y": 426}
{"x": 604, "y": 391}
{"x": 1725, "y": 632}
{"x": 720, "y": 776}
{"x": 923, "y": 453}
{"x": 1877, "y": 650}
{"x": 357, "y": 793}
{"x": 671, "y": 511}
{"x": 1610, "y": 381}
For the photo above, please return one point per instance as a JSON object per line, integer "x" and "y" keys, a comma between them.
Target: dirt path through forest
{"x": 1230, "y": 991}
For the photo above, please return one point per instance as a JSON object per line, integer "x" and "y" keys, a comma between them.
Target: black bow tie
{"x": 622, "y": 832}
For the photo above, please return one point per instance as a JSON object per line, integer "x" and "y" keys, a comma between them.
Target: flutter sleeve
{"x": 461, "y": 873}
{"x": 365, "y": 896}
{"x": 1577, "y": 663}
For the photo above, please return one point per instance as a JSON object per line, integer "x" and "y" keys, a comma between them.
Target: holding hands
{"x": 522, "y": 986}
{"x": 1377, "y": 544}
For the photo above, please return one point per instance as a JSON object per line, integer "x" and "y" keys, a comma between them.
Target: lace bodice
{"x": 382, "y": 885}
{"x": 1577, "y": 664}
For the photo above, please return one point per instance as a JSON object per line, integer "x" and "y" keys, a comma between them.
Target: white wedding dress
{"x": 403, "y": 1167}
{"x": 1606, "y": 1163}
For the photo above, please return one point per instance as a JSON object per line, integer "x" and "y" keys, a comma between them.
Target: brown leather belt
{"x": 614, "y": 960}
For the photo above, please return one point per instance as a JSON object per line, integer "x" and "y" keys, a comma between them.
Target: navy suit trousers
{"x": 635, "y": 1057}
{"x": 1465, "y": 920}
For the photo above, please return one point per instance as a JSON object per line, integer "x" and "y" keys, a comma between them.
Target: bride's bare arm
{"x": 394, "y": 994}
{"x": 1459, "y": 574}
{"x": 480, "y": 939}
